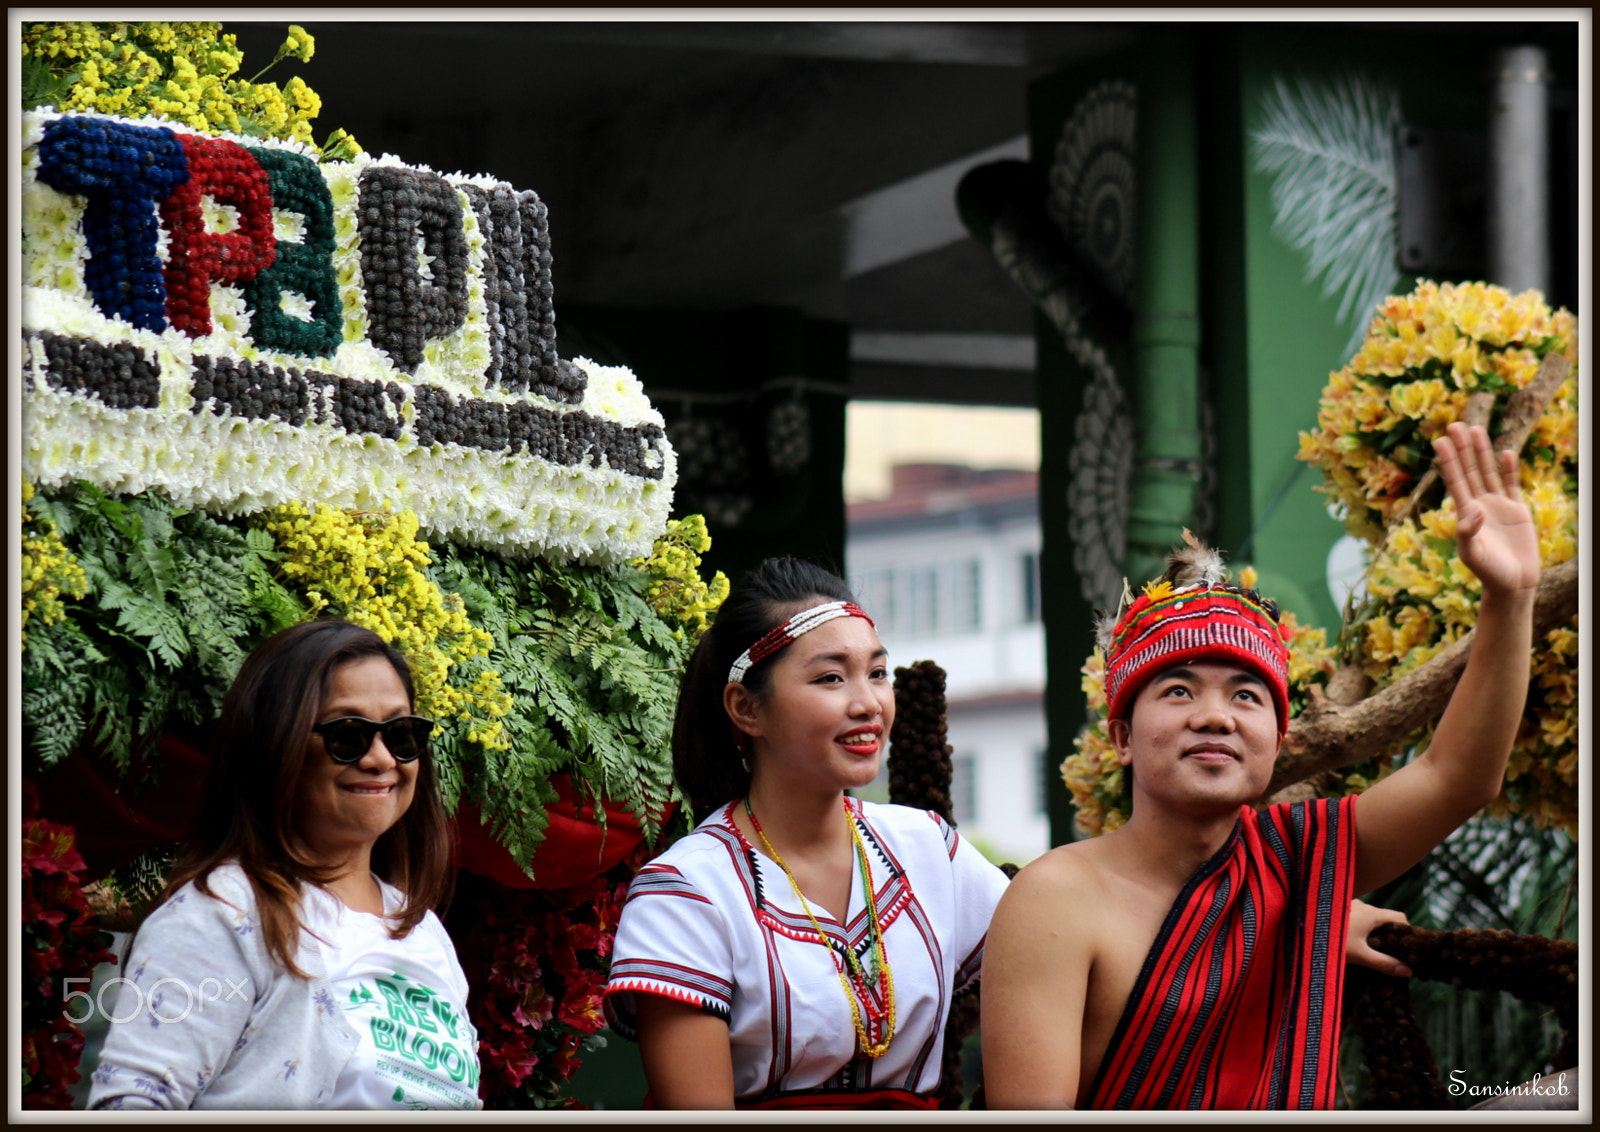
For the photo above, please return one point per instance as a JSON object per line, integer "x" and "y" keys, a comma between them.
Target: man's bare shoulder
{"x": 1077, "y": 869}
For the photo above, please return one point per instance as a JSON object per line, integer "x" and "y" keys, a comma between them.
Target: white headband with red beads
{"x": 785, "y": 634}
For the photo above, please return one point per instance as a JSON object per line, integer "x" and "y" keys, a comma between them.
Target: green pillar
{"x": 1166, "y": 336}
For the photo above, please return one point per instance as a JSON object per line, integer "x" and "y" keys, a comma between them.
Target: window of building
{"x": 1029, "y": 583}
{"x": 968, "y": 603}
{"x": 924, "y": 601}
{"x": 1041, "y": 780}
{"x": 875, "y": 590}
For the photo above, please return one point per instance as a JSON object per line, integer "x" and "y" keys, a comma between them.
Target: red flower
{"x": 59, "y": 941}
{"x": 50, "y": 848}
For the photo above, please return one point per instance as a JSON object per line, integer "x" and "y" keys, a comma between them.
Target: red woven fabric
{"x": 1237, "y": 1006}
{"x": 1195, "y": 624}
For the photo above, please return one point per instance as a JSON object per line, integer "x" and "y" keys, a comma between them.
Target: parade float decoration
{"x": 1479, "y": 354}
{"x": 1364, "y": 705}
{"x": 264, "y": 381}
{"x": 1443, "y": 353}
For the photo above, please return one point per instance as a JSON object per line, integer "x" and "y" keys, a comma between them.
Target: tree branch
{"x": 1526, "y": 405}
{"x": 1523, "y": 410}
{"x": 1480, "y": 407}
{"x": 1329, "y": 735}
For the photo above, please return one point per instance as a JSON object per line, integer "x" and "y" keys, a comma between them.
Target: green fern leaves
{"x": 175, "y": 599}
{"x": 593, "y": 670}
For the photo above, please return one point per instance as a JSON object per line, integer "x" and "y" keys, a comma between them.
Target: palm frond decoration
{"x": 1329, "y": 148}
{"x": 1500, "y": 874}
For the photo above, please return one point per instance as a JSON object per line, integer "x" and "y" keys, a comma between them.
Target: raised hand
{"x": 1495, "y": 535}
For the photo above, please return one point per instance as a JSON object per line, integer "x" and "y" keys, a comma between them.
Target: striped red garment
{"x": 1237, "y": 1006}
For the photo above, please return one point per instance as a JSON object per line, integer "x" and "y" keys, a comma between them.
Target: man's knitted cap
{"x": 1193, "y": 613}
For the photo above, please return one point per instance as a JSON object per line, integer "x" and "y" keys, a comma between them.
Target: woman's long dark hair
{"x": 259, "y": 748}
{"x": 705, "y": 757}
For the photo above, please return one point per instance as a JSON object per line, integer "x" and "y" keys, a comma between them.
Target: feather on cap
{"x": 1192, "y": 613}
{"x": 1190, "y": 565}
{"x": 1194, "y": 564}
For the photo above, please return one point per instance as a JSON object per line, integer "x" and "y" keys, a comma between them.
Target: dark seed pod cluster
{"x": 919, "y": 757}
{"x": 259, "y": 391}
{"x": 563, "y": 381}
{"x": 404, "y": 310}
{"x": 549, "y": 379}
{"x": 1529, "y": 967}
{"x": 122, "y": 375}
{"x": 365, "y": 406}
{"x": 519, "y": 297}
{"x": 1378, "y": 1009}
{"x": 253, "y": 390}
{"x": 504, "y": 273}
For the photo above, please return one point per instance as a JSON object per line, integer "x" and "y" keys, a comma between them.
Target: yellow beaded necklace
{"x": 885, "y": 977}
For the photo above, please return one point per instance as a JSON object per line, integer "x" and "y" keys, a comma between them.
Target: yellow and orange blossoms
{"x": 1425, "y": 353}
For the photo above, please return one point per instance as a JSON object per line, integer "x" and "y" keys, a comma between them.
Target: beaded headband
{"x": 1208, "y": 619}
{"x": 785, "y": 634}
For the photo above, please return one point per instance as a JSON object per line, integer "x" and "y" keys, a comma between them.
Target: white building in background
{"x": 948, "y": 566}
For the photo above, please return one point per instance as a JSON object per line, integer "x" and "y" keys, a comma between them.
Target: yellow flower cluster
{"x": 1092, "y": 772}
{"x": 1424, "y": 354}
{"x": 49, "y": 570}
{"x": 674, "y": 562}
{"x": 1311, "y": 658}
{"x": 183, "y": 72}
{"x": 371, "y": 569}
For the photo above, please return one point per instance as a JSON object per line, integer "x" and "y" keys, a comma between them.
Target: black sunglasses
{"x": 349, "y": 737}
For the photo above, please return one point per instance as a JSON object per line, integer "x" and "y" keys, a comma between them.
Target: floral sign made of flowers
{"x": 257, "y": 389}
{"x": 227, "y": 320}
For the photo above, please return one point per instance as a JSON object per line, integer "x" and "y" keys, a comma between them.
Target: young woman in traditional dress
{"x": 294, "y": 960}
{"x": 801, "y": 948}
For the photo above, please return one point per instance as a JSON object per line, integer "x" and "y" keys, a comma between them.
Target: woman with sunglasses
{"x": 294, "y": 960}
{"x": 801, "y": 948}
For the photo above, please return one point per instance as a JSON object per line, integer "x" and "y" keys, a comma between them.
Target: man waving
{"x": 1194, "y": 957}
